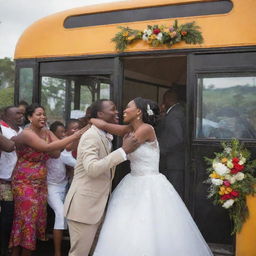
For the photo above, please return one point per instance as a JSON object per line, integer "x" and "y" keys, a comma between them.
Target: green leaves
{"x": 158, "y": 35}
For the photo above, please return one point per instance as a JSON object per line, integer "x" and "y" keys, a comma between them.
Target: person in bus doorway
{"x": 170, "y": 133}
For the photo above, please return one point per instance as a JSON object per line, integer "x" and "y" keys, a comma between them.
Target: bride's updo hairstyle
{"x": 149, "y": 108}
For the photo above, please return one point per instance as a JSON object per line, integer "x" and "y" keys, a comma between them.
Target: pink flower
{"x": 226, "y": 183}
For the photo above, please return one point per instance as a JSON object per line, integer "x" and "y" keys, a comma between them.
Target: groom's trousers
{"x": 82, "y": 237}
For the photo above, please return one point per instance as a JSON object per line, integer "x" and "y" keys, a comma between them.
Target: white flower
{"x": 145, "y": 37}
{"x": 217, "y": 182}
{"x": 149, "y": 110}
{"x": 232, "y": 180}
{"x": 220, "y": 169}
{"x": 242, "y": 161}
{"x": 148, "y": 32}
{"x": 239, "y": 176}
{"x": 159, "y": 36}
{"x": 228, "y": 203}
{"x": 228, "y": 150}
{"x": 227, "y": 177}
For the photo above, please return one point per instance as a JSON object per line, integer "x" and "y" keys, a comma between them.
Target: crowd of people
{"x": 37, "y": 166}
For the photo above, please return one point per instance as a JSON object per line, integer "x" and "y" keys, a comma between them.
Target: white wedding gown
{"x": 146, "y": 216}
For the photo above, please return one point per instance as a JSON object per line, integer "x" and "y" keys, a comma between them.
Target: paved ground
{"x": 46, "y": 249}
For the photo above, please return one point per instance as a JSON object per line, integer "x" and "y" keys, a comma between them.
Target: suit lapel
{"x": 105, "y": 143}
{"x": 103, "y": 139}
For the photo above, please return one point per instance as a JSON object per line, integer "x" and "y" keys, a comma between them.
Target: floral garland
{"x": 231, "y": 179}
{"x": 159, "y": 35}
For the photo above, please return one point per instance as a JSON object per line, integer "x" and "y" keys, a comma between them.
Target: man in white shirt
{"x": 89, "y": 191}
{"x": 12, "y": 119}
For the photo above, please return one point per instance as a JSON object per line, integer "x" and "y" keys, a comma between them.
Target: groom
{"x": 88, "y": 195}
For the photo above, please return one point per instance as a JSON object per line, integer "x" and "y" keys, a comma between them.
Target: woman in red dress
{"x": 35, "y": 145}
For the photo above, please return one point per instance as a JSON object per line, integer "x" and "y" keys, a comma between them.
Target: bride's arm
{"x": 116, "y": 129}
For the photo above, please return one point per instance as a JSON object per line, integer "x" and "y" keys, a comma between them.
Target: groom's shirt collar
{"x": 110, "y": 138}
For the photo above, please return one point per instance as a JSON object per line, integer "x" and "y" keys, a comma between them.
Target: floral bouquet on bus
{"x": 231, "y": 179}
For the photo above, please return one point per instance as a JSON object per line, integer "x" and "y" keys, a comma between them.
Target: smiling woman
{"x": 29, "y": 180}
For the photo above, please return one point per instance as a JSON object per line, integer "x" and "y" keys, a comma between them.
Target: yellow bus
{"x": 67, "y": 60}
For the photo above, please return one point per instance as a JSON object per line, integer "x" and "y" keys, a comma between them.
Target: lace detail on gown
{"x": 145, "y": 159}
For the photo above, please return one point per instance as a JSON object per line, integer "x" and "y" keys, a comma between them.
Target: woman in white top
{"x": 57, "y": 183}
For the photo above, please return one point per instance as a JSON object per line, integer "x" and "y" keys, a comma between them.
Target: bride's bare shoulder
{"x": 145, "y": 133}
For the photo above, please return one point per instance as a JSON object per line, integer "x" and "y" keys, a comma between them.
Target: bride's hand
{"x": 98, "y": 123}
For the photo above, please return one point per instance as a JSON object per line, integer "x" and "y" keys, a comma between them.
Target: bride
{"x": 145, "y": 215}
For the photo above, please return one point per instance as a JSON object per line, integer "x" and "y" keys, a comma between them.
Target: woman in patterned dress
{"x": 35, "y": 145}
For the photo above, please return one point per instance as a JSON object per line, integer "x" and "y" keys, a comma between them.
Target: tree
{"x": 6, "y": 82}
{"x": 6, "y": 73}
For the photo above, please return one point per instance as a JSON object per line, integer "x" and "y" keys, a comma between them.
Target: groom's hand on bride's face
{"x": 130, "y": 143}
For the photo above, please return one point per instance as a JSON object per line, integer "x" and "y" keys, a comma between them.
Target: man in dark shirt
{"x": 171, "y": 134}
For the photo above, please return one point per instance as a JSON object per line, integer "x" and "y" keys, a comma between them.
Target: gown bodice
{"x": 145, "y": 159}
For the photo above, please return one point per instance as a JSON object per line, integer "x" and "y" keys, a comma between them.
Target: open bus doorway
{"x": 150, "y": 77}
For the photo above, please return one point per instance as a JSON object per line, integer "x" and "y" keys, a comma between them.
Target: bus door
{"x": 221, "y": 104}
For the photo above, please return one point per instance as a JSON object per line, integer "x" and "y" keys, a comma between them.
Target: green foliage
{"x": 6, "y": 72}
{"x": 158, "y": 35}
{"x": 6, "y": 82}
{"x": 6, "y": 97}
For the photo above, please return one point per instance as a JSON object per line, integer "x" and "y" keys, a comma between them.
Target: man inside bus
{"x": 170, "y": 133}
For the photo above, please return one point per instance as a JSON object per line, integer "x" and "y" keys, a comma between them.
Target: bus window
{"x": 65, "y": 97}
{"x": 26, "y": 84}
{"x": 226, "y": 106}
{"x": 53, "y": 92}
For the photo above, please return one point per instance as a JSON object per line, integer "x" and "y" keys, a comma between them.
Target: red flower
{"x": 234, "y": 171}
{"x": 239, "y": 167}
{"x": 234, "y": 193}
{"x": 156, "y": 31}
{"x": 235, "y": 160}
{"x": 226, "y": 197}
{"x": 184, "y": 33}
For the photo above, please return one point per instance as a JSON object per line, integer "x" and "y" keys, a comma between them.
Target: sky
{"x": 17, "y": 15}
{"x": 228, "y": 82}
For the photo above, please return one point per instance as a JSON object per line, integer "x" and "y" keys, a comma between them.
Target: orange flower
{"x": 125, "y": 33}
{"x": 224, "y": 160}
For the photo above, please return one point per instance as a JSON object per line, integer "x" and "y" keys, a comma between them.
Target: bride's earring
{"x": 138, "y": 118}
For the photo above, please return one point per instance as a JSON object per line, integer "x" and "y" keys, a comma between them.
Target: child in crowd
{"x": 57, "y": 180}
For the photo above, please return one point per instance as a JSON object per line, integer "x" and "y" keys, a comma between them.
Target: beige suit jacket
{"x": 89, "y": 191}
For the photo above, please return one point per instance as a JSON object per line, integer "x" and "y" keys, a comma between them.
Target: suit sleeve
{"x": 93, "y": 165}
{"x": 172, "y": 135}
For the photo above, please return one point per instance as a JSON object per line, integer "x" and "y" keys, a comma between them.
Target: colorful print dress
{"x": 30, "y": 198}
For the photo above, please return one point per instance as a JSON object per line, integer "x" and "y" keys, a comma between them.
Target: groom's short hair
{"x": 97, "y": 107}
